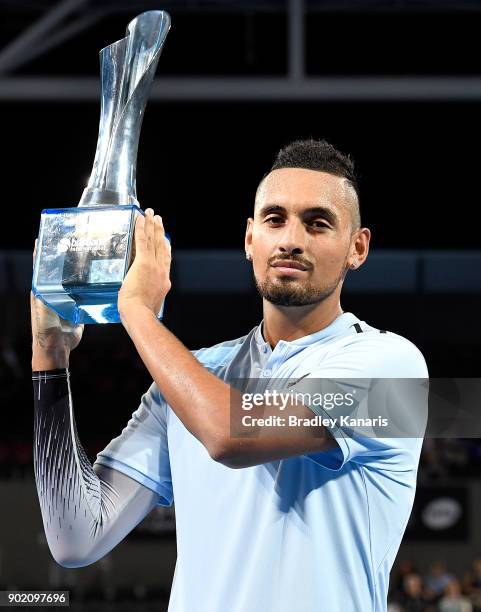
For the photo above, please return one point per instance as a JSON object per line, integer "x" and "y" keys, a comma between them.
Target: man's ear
{"x": 361, "y": 248}
{"x": 248, "y": 237}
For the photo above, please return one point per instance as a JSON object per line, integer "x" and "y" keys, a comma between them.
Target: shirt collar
{"x": 337, "y": 328}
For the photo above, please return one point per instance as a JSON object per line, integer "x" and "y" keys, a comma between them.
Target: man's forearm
{"x": 199, "y": 399}
{"x": 49, "y": 360}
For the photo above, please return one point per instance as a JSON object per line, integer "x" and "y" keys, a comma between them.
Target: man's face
{"x": 301, "y": 235}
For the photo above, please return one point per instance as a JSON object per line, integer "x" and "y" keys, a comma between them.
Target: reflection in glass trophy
{"x": 84, "y": 252}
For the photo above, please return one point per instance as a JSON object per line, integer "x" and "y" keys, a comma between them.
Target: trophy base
{"x": 82, "y": 306}
{"x": 83, "y": 255}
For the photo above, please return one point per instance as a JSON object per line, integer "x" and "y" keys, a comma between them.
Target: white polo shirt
{"x": 313, "y": 533}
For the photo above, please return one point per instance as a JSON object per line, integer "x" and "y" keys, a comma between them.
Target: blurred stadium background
{"x": 397, "y": 84}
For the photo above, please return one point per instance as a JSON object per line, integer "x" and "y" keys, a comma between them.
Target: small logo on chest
{"x": 291, "y": 384}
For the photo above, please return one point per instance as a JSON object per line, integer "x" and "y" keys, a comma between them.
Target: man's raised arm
{"x": 86, "y": 511}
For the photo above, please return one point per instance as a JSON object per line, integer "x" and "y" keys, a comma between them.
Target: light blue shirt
{"x": 313, "y": 533}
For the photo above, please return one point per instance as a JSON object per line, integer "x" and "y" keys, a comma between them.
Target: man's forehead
{"x": 301, "y": 187}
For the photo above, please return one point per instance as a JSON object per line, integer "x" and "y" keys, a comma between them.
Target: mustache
{"x": 274, "y": 259}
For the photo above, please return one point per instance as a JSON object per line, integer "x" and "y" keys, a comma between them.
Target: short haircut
{"x": 322, "y": 156}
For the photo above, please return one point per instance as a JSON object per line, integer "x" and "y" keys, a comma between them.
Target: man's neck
{"x": 294, "y": 322}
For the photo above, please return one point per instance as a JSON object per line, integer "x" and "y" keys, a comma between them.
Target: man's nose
{"x": 292, "y": 238}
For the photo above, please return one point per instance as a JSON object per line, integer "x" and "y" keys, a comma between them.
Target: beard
{"x": 287, "y": 292}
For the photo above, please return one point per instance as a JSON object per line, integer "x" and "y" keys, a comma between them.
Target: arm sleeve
{"x": 390, "y": 381}
{"x": 86, "y": 511}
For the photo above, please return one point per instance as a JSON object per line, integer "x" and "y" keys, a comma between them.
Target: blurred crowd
{"x": 438, "y": 591}
{"x": 91, "y": 589}
{"x": 450, "y": 458}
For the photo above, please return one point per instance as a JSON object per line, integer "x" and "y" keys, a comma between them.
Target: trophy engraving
{"x": 84, "y": 252}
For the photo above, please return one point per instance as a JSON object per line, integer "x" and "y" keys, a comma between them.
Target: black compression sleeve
{"x": 85, "y": 512}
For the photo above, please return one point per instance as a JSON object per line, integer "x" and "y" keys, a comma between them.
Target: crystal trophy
{"x": 84, "y": 252}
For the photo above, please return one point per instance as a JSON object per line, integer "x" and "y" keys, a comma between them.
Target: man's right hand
{"x": 52, "y": 337}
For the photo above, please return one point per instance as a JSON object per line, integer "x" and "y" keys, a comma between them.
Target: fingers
{"x": 162, "y": 245}
{"x": 149, "y": 229}
{"x": 145, "y": 233}
{"x": 150, "y": 237}
{"x": 139, "y": 236}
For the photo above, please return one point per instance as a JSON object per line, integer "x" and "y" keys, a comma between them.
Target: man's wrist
{"x": 131, "y": 310}
{"x": 54, "y": 360}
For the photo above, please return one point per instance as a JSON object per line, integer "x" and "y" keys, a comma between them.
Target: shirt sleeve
{"x": 141, "y": 451}
{"x": 384, "y": 426}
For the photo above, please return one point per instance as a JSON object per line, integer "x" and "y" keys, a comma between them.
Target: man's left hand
{"x": 147, "y": 281}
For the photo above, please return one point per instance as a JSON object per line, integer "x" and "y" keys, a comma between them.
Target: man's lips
{"x": 289, "y": 263}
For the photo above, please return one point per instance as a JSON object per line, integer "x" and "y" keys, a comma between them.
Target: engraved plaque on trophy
{"x": 84, "y": 252}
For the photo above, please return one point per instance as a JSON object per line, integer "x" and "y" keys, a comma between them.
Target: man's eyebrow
{"x": 322, "y": 211}
{"x": 271, "y": 208}
{"x": 318, "y": 211}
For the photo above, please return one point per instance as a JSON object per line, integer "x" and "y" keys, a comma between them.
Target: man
{"x": 307, "y": 521}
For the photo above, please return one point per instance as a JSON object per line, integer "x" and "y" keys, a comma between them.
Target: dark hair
{"x": 318, "y": 155}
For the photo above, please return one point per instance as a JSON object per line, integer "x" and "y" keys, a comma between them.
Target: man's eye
{"x": 318, "y": 224}
{"x": 273, "y": 220}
